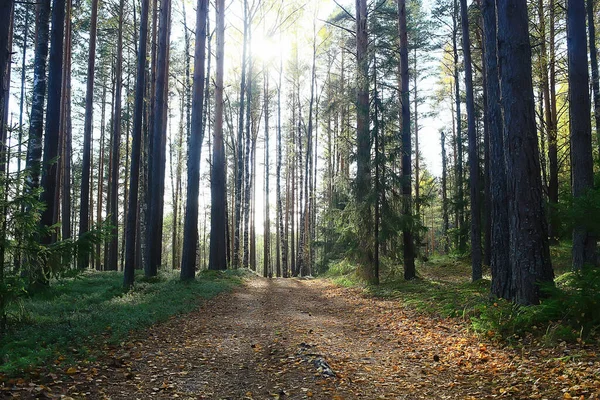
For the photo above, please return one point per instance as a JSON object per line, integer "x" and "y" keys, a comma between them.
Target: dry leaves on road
{"x": 308, "y": 339}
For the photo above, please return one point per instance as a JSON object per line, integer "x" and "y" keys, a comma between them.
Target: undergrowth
{"x": 74, "y": 316}
{"x": 570, "y": 310}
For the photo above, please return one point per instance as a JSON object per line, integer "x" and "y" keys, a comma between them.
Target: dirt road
{"x": 307, "y": 339}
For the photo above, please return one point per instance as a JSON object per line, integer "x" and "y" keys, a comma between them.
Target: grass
{"x": 73, "y": 316}
{"x": 443, "y": 288}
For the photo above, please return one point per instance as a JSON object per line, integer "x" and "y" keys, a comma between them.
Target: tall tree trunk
{"x": 36, "y": 119}
{"x": 415, "y": 118}
{"x": 363, "y": 151}
{"x": 247, "y": 162}
{"x": 66, "y": 129}
{"x": 445, "y": 219}
{"x": 101, "y": 157}
{"x": 502, "y": 284}
{"x": 473, "y": 151}
{"x": 409, "y": 252}
{"x": 51, "y": 137}
{"x": 267, "y": 224}
{"x": 156, "y": 173}
{"x": 239, "y": 170}
{"x": 83, "y": 259}
{"x": 594, "y": 66}
{"x": 218, "y": 224}
{"x": 584, "y": 244}
{"x": 131, "y": 232}
{"x": 552, "y": 122}
{"x": 460, "y": 200}
{"x": 281, "y": 235}
{"x": 190, "y": 229}
{"x": 6, "y": 23}
{"x": 115, "y": 152}
{"x": 21, "y": 105}
{"x": 528, "y": 238}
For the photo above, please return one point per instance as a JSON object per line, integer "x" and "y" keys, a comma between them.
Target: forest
{"x": 283, "y": 189}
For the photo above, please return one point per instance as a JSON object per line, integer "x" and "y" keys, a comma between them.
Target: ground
{"x": 299, "y": 339}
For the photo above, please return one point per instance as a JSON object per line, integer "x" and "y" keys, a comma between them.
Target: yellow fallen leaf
{"x": 71, "y": 371}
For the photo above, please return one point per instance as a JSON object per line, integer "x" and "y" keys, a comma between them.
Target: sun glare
{"x": 267, "y": 48}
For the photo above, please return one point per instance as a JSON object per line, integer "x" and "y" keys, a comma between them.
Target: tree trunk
{"x": 99, "y": 265}
{"x": 473, "y": 151}
{"x": 445, "y": 223}
{"x": 36, "y": 119}
{"x": 502, "y": 284}
{"x": 115, "y": 152}
{"x": 156, "y": 173}
{"x": 131, "y": 233}
{"x": 83, "y": 259}
{"x": 552, "y": 122}
{"x": 218, "y": 243}
{"x": 594, "y": 66}
{"x": 6, "y": 22}
{"x": 190, "y": 229}
{"x": 363, "y": 139}
{"x": 239, "y": 171}
{"x": 267, "y": 227}
{"x": 66, "y": 130}
{"x": 460, "y": 200}
{"x": 409, "y": 253}
{"x": 281, "y": 236}
{"x": 582, "y": 174}
{"x": 528, "y": 239}
{"x": 51, "y": 137}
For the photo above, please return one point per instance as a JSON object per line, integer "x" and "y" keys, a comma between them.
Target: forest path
{"x": 275, "y": 338}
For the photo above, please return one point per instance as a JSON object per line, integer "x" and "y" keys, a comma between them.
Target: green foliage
{"x": 27, "y": 264}
{"x": 73, "y": 316}
{"x": 582, "y": 211}
{"x": 571, "y": 310}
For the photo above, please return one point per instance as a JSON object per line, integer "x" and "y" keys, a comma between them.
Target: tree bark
{"x": 51, "y": 137}
{"x": 6, "y": 22}
{"x": 582, "y": 174}
{"x": 83, "y": 259}
{"x": 594, "y": 66}
{"x": 190, "y": 229}
{"x": 502, "y": 284}
{"x": 460, "y": 200}
{"x": 115, "y": 152}
{"x": 36, "y": 119}
{"x": 218, "y": 243}
{"x": 131, "y": 233}
{"x": 473, "y": 150}
{"x": 409, "y": 252}
{"x": 445, "y": 219}
{"x": 363, "y": 139}
{"x": 156, "y": 173}
{"x": 529, "y": 253}
{"x": 267, "y": 228}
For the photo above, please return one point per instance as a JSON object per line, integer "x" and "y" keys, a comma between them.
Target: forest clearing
{"x": 311, "y": 339}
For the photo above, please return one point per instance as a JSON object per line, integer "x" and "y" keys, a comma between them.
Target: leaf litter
{"x": 309, "y": 339}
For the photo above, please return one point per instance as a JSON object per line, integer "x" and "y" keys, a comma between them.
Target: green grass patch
{"x": 570, "y": 311}
{"x": 73, "y": 316}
